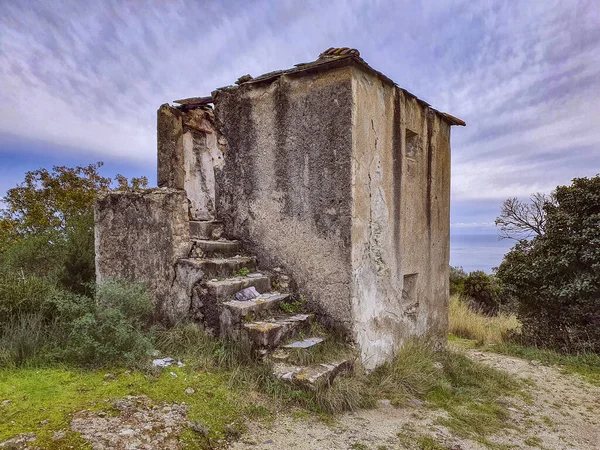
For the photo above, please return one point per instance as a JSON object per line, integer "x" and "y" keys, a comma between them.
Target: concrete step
{"x": 225, "y": 290}
{"x": 268, "y": 334}
{"x": 206, "y": 229}
{"x": 206, "y": 248}
{"x": 266, "y": 302}
{"x": 311, "y": 377}
{"x": 282, "y": 354}
{"x": 221, "y": 267}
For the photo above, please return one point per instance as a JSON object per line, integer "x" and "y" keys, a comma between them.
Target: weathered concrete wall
{"x": 285, "y": 188}
{"x": 188, "y": 151}
{"x": 400, "y": 219}
{"x": 139, "y": 236}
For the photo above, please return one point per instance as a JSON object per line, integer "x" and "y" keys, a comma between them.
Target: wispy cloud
{"x": 525, "y": 75}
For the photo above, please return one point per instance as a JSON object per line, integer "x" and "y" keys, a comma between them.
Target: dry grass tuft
{"x": 469, "y": 324}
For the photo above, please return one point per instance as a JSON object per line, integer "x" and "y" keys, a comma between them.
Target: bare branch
{"x": 519, "y": 220}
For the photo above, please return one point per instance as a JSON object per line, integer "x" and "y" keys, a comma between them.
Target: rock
{"x": 141, "y": 424}
{"x": 199, "y": 427}
{"x": 189, "y": 391}
{"x": 5, "y": 403}
{"x": 58, "y": 435}
{"x": 18, "y": 442}
{"x": 45, "y": 422}
{"x": 163, "y": 362}
{"x": 110, "y": 376}
{"x": 246, "y": 294}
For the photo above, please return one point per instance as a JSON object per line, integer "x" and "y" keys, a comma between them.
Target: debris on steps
{"x": 312, "y": 377}
{"x": 305, "y": 343}
{"x": 268, "y": 334}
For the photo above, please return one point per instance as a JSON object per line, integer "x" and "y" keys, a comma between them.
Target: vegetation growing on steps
{"x": 294, "y": 307}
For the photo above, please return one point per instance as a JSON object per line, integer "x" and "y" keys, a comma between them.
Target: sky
{"x": 80, "y": 81}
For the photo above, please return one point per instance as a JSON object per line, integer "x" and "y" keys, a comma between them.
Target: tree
{"x": 48, "y": 201}
{"x": 520, "y": 220}
{"x": 555, "y": 277}
{"x": 46, "y": 225}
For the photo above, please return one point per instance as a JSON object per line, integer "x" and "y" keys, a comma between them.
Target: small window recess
{"x": 409, "y": 294}
{"x": 412, "y": 144}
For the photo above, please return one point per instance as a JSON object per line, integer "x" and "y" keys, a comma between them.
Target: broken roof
{"x": 331, "y": 58}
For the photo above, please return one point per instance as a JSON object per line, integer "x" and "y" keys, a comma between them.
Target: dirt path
{"x": 562, "y": 413}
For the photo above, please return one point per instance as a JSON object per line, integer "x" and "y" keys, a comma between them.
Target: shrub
{"x": 66, "y": 257}
{"x": 78, "y": 268}
{"x": 25, "y": 295}
{"x": 113, "y": 328}
{"x": 556, "y": 277}
{"x": 485, "y": 291}
{"x": 457, "y": 280}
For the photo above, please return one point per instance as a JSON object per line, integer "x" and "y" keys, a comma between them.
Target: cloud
{"x": 89, "y": 76}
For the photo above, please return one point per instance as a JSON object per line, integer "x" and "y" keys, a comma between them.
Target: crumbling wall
{"x": 140, "y": 236}
{"x": 285, "y": 187}
{"x": 188, "y": 151}
{"x": 400, "y": 228}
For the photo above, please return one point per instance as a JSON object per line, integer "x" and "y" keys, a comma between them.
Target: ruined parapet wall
{"x": 139, "y": 236}
{"x": 285, "y": 188}
{"x": 188, "y": 151}
{"x": 400, "y": 228}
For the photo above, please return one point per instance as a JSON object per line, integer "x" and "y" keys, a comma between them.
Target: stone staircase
{"x": 215, "y": 271}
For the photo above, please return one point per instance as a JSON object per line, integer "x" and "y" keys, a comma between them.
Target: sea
{"x": 477, "y": 251}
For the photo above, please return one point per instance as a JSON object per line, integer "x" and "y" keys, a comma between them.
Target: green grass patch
{"x": 295, "y": 307}
{"x": 42, "y": 400}
{"x": 585, "y": 364}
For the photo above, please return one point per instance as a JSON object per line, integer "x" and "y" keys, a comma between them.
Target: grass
{"x": 472, "y": 394}
{"x": 485, "y": 330}
{"x": 42, "y": 400}
{"x": 230, "y": 387}
{"x": 471, "y": 329}
{"x": 586, "y": 365}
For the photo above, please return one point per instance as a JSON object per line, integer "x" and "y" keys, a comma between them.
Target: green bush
{"x": 42, "y": 321}
{"x": 556, "y": 276}
{"x": 114, "y": 328}
{"x": 25, "y": 295}
{"x": 485, "y": 291}
{"x": 78, "y": 268}
{"x": 457, "y": 280}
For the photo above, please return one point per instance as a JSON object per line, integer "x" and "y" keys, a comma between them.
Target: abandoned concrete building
{"x": 325, "y": 182}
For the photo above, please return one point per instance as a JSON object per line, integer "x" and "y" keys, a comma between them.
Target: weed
{"x": 243, "y": 272}
{"x": 467, "y": 323}
{"x": 295, "y": 307}
{"x": 533, "y": 441}
{"x": 359, "y": 446}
